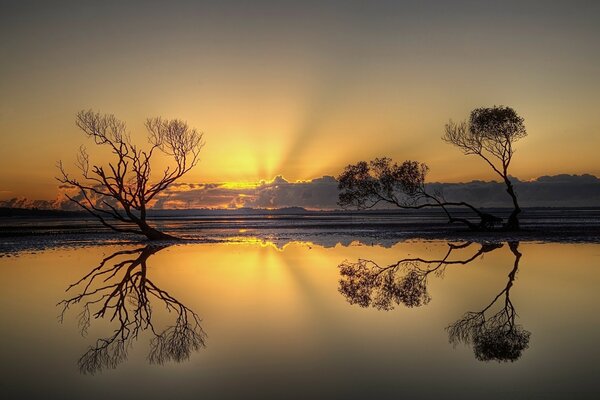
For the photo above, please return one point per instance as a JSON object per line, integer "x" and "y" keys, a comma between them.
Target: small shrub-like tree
{"x": 366, "y": 184}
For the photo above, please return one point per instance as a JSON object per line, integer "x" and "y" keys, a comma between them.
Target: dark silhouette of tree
{"x": 119, "y": 289}
{"x": 496, "y": 337}
{"x": 405, "y": 282}
{"x": 120, "y": 194}
{"x": 491, "y": 134}
{"x": 366, "y": 184}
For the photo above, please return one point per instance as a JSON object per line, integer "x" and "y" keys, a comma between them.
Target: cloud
{"x": 322, "y": 193}
{"x": 318, "y": 193}
{"x": 546, "y": 191}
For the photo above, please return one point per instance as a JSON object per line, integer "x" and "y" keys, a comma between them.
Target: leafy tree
{"x": 491, "y": 134}
{"x": 494, "y": 336}
{"x": 120, "y": 194}
{"x": 492, "y": 332}
{"x": 367, "y": 283}
{"x": 366, "y": 184}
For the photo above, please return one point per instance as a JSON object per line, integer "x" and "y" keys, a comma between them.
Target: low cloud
{"x": 322, "y": 193}
{"x": 545, "y": 191}
{"x": 318, "y": 193}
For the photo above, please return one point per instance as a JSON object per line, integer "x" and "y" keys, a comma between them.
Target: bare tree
{"x": 122, "y": 292}
{"x": 120, "y": 194}
{"x": 496, "y": 336}
{"x": 404, "y": 282}
{"x": 366, "y": 184}
{"x": 491, "y": 134}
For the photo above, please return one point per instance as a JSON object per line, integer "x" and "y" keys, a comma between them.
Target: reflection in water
{"x": 405, "y": 282}
{"x": 496, "y": 337}
{"x": 119, "y": 290}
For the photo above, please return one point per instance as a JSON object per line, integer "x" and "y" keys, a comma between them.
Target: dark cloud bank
{"x": 321, "y": 193}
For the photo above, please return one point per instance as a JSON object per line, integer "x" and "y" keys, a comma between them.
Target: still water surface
{"x": 420, "y": 319}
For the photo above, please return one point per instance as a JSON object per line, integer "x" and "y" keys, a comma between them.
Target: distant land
{"x": 321, "y": 194}
{"x": 34, "y": 212}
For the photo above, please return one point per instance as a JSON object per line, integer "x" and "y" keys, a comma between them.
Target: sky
{"x": 299, "y": 89}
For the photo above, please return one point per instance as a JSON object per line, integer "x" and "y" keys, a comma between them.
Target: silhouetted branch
{"x": 490, "y": 134}
{"x": 496, "y": 336}
{"x": 365, "y": 185}
{"x": 123, "y": 190}
{"x": 405, "y": 282}
{"x": 122, "y": 292}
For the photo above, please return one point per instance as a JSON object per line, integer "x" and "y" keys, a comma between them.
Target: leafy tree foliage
{"x": 366, "y": 184}
{"x": 491, "y": 134}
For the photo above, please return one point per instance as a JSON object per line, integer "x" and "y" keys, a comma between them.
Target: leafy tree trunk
{"x": 366, "y": 184}
{"x": 486, "y": 220}
{"x": 513, "y": 219}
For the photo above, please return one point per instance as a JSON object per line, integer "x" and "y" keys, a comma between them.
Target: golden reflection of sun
{"x": 264, "y": 243}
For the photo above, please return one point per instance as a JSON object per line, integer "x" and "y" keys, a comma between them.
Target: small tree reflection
{"x": 496, "y": 337}
{"x": 405, "y": 282}
{"x": 120, "y": 290}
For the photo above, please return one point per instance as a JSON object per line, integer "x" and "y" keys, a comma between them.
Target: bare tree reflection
{"x": 119, "y": 289}
{"x": 497, "y": 336}
{"x": 405, "y": 282}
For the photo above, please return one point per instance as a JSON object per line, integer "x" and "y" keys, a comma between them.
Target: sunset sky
{"x": 299, "y": 89}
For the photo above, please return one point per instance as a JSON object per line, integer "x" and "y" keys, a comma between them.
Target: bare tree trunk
{"x": 153, "y": 234}
{"x": 122, "y": 191}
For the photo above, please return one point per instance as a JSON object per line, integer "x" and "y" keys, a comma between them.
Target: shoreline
{"x": 20, "y": 234}
{"x": 19, "y": 240}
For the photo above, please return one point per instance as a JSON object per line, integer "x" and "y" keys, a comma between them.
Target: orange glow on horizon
{"x": 297, "y": 102}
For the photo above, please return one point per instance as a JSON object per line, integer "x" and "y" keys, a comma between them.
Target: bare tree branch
{"x": 122, "y": 292}
{"x": 122, "y": 190}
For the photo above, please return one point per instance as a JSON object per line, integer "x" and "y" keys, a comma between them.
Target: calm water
{"x": 254, "y": 320}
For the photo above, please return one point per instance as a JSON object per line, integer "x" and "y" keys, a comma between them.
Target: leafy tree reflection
{"x": 495, "y": 337}
{"x": 119, "y": 289}
{"x": 405, "y": 282}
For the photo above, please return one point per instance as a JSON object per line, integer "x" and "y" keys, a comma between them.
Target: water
{"x": 286, "y": 321}
{"x": 21, "y": 233}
